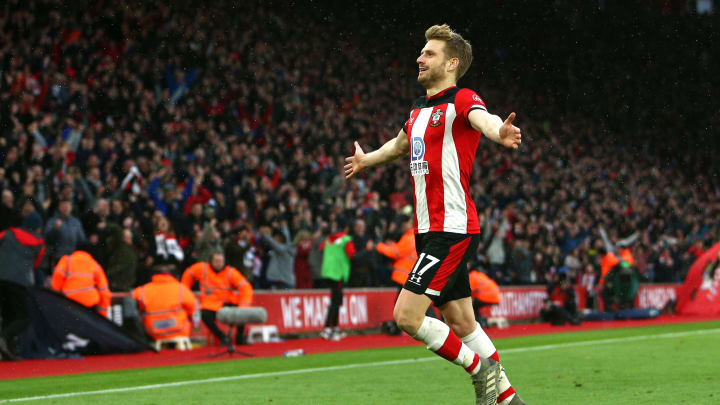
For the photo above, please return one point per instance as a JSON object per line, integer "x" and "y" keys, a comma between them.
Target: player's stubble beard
{"x": 431, "y": 76}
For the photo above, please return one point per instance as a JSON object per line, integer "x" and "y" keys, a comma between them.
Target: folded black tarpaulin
{"x": 60, "y": 327}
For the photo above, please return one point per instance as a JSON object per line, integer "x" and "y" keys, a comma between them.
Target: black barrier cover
{"x": 60, "y": 327}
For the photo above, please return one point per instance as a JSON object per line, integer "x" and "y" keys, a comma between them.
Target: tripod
{"x": 231, "y": 350}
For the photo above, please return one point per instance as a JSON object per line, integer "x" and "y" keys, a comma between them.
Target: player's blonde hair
{"x": 455, "y": 46}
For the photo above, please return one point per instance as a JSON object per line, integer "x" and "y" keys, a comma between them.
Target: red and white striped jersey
{"x": 442, "y": 152}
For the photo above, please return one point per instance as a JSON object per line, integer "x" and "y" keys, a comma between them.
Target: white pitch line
{"x": 351, "y": 366}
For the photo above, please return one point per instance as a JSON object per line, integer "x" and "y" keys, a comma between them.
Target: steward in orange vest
{"x": 403, "y": 253}
{"x": 166, "y": 306}
{"x": 485, "y": 292}
{"x": 484, "y": 289}
{"x": 219, "y": 285}
{"x": 81, "y": 279}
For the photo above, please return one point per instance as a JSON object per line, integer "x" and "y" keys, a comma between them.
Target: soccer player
{"x": 442, "y": 136}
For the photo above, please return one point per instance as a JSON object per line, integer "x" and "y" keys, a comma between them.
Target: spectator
{"x": 166, "y": 306}
{"x": 95, "y": 224}
{"x": 166, "y": 251}
{"x": 315, "y": 258}
{"x": 303, "y": 244}
{"x": 363, "y": 263}
{"x": 588, "y": 282}
{"x": 240, "y": 252}
{"x": 281, "y": 268}
{"x": 79, "y": 277}
{"x": 122, "y": 260}
{"x": 520, "y": 263}
{"x": 22, "y": 252}
{"x": 9, "y": 215}
{"x": 210, "y": 241}
{"x": 496, "y": 250}
{"x": 665, "y": 267}
{"x": 63, "y": 232}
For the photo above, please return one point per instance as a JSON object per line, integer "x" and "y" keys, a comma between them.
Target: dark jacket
{"x": 64, "y": 240}
{"x": 122, "y": 261}
{"x": 20, "y": 253}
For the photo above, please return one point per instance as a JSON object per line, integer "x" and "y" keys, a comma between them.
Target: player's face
{"x": 431, "y": 63}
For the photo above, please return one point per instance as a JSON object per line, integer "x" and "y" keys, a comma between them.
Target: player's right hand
{"x": 354, "y": 165}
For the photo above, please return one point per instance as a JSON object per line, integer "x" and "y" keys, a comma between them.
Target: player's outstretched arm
{"x": 493, "y": 127}
{"x": 392, "y": 150}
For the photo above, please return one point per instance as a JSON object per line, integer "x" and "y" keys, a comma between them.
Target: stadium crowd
{"x": 145, "y": 133}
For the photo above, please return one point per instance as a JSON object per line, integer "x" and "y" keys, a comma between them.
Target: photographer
{"x": 621, "y": 286}
{"x": 560, "y": 306}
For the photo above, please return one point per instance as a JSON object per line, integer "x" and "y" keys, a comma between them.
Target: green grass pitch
{"x": 678, "y": 363}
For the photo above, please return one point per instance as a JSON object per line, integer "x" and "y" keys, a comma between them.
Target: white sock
{"x": 438, "y": 337}
{"x": 480, "y": 343}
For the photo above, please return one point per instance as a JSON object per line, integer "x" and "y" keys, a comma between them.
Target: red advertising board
{"x": 519, "y": 302}
{"x": 296, "y": 311}
{"x": 305, "y": 310}
{"x": 656, "y": 295}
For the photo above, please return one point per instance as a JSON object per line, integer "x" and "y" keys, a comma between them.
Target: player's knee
{"x": 407, "y": 321}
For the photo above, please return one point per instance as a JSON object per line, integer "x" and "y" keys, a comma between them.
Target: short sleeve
{"x": 408, "y": 122}
{"x": 467, "y": 100}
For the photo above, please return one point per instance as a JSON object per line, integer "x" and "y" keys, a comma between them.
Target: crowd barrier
{"x": 299, "y": 311}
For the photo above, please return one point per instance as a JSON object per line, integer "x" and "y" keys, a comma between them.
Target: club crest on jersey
{"x": 418, "y": 166}
{"x": 436, "y": 118}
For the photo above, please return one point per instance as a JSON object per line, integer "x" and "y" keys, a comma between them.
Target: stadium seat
{"x": 262, "y": 334}
{"x": 180, "y": 343}
{"x": 499, "y": 322}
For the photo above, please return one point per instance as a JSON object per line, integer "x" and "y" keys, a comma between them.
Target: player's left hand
{"x": 510, "y": 134}
{"x": 353, "y": 165}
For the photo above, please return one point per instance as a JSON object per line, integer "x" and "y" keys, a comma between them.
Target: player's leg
{"x": 455, "y": 303}
{"x": 460, "y": 317}
{"x": 409, "y": 314}
{"x": 431, "y": 280}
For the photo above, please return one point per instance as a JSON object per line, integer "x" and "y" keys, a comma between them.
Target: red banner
{"x": 305, "y": 310}
{"x": 656, "y": 295}
{"x": 296, "y": 311}
{"x": 519, "y": 302}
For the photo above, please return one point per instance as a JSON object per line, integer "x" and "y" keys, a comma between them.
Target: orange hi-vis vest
{"x": 166, "y": 306}
{"x": 404, "y": 254}
{"x": 484, "y": 288}
{"x": 81, "y": 279}
{"x": 227, "y": 286}
{"x": 610, "y": 260}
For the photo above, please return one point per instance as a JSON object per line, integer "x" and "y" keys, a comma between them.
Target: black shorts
{"x": 440, "y": 271}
